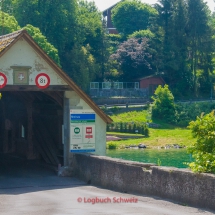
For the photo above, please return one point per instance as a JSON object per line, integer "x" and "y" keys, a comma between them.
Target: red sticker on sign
{"x": 3, "y": 80}
{"x": 42, "y": 80}
{"x": 89, "y": 130}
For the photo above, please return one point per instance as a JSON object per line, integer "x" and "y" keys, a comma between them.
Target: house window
{"x": 106, "y": 85}
{"x": 94, "y": 85}
{"x": 136, "y": 85}
{"x": 118, "y": 85}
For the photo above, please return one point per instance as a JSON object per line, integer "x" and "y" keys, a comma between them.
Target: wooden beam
{"x": 35, "y": 88}
{"x": 30, "y": 152}
{"x": 56, "y": 97}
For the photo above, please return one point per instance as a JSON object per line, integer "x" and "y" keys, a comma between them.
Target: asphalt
{"x": 27, "y": 188}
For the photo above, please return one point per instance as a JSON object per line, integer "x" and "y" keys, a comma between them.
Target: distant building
{"x": 151, "y": 83}
{"x": 143, "y": 87}
{"x": 107, "y": 15}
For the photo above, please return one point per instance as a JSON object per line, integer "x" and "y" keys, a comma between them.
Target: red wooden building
{"x": 151, "y": 83}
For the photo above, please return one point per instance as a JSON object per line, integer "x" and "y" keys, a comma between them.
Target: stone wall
{"x": 180, "y": 185}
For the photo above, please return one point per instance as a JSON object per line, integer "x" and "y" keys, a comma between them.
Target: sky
{"x": 104, "y": 4}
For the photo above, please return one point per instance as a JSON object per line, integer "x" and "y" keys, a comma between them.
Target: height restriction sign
{"x": 42, "y": 80}
{"x": 3, "y": 80}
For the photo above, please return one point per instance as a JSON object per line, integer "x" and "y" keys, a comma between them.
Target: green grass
{"x": 134, "y": 116}
{"x": 166, "y": 134}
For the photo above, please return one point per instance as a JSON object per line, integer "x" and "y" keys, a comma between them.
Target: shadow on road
{"x": 16, "y": 173}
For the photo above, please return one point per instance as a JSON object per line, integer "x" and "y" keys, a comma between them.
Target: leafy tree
{"x": 172, "y": 18}
{"x": 141, "y": 34}
{"x": 133, "y": 58}
{"x": 132, "y": 15}
{"x": 152, "y": 49}
{"x": 163, "y": 106}
{"x": 81, "y": 66}
{"x": 199, "y": 35}
{"x": 43, "y": 43}
{"x": 93, "y": 34}
{"x": 203, "y": 150}
{"x": 8, "y": 23}
{"x": 56, "y": 19}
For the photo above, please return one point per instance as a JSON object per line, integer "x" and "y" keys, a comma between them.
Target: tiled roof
{"x": 6, "y": 40}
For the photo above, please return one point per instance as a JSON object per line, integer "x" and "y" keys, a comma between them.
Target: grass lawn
{"x": 133, "y": 116}
{"x": 167, "y": 134}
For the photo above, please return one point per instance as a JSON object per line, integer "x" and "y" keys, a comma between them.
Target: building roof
{"x": 151, "y": 76}
{"x": 110, "y": 7}
{"x": 7, "y": 41}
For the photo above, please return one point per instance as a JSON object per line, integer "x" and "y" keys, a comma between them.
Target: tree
{"x": 199, "y": 38}
{"x": 56, "y": 19}
{"x": 141, "y": 34}
{"x": 163, "y": 107}
{"x": 80, "y": 66}
{"x": 8, "y": 23}
{"x": 93, "y": 35}
{"x": 43, "y": 43}
{"x": 129, "y": 16}
{"x": 203, "y": 150}
{"x": 133, "y": 58}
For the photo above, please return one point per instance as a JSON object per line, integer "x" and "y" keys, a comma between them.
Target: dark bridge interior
{"x": 31, "y": 125}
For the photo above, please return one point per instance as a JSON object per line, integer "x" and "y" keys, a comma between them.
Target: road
{"x": 29, "y": 189}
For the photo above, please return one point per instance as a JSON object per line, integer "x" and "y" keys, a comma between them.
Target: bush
{"x": 129, "y": 127}
{"x": 186, "y": 112}
{"x": 111, "y": 145}
{"x": 163, "y": 107}
{"x": 203, "y": 150}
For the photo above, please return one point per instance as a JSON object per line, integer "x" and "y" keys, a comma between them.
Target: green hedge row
{"x": 129, "y": 127}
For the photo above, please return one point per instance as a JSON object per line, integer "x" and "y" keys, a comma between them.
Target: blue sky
{"x": 104, "y": 4}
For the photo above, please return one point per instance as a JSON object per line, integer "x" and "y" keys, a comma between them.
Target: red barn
{"x": 151, "y": 82}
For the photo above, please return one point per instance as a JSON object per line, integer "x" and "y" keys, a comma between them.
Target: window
{"x": 136, "y": 85}
{"x": 94, "y": 85}
{"x": 118, "y": 85}
{"x": 106, "y": 85}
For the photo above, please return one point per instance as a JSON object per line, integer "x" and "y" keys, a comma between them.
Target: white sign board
{"x": 82, "y": 130}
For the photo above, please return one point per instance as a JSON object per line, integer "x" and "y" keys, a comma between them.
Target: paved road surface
{"x": 27, "y": 189}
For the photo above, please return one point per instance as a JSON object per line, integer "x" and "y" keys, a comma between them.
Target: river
{"x": 162, "y": 157}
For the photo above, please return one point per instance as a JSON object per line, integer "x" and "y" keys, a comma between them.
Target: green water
{"x": 165, "y": 157}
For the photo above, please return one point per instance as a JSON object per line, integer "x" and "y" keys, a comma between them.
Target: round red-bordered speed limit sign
{"x": 42, "y": 80}
{"x": 3, "y": 80}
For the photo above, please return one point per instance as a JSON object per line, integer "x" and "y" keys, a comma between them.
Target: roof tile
{"x": 6, "y": 40}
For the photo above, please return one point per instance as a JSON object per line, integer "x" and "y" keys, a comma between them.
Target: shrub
{"x": 111, "y": 145}
{"x": 163, "y": 106}
{"x": 203, "y": 150}
{"x": 128, "y": 127}
{"x": 186, "y": 112}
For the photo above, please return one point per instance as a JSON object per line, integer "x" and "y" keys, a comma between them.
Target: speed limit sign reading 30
{"x": 3, "y": 80}
{"x": 42, "y": 80}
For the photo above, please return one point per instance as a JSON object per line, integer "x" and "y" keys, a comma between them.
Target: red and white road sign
{"x": 3, "y": 80}
{"x": 42, "y": 80}
{"x": 89, "y": 130}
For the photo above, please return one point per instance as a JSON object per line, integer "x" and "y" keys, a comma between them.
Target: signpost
{"x": 82, "y": 130}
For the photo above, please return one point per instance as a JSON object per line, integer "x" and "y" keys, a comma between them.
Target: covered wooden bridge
{"x": 36, "y": 98}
